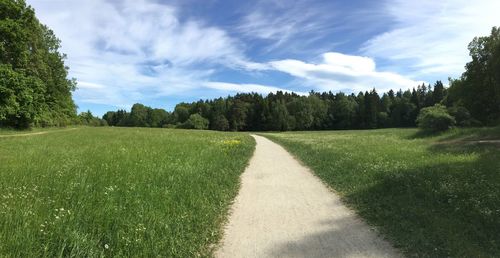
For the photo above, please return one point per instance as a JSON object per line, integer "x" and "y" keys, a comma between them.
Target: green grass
{"x": 432, "y": 196}
{"x": 118, "y": 192}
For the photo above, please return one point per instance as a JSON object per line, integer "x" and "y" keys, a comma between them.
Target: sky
{"x": 160, "y": 53}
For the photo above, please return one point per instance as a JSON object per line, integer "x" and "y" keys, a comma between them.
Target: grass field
{"x": 117, "y": 192}
{"x": 432, "y": 196}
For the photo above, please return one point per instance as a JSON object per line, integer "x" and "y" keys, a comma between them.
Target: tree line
{"x": 283, "y": 111}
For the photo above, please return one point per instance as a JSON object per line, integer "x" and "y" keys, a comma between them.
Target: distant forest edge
{"x": 35, "y": 91}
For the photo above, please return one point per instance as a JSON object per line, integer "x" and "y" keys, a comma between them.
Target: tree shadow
{"x": 341, "y": 237}
{"x": 459, "y": 134}
{"x": 421, "y": 134}
{"x": 448, "y": 208}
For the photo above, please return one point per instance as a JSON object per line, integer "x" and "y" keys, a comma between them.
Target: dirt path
{"x": 283, "y": 210}
{"x": 36, "y": 133}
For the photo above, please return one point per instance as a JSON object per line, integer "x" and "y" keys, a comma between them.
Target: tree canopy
{"x": 478, "y": 89}
{"x": 34, "y": 89}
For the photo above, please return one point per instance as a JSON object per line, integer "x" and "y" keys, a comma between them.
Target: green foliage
{"x": 139, "y": 116}
{"x": 478, "y": 89}
{"x": 35, "y": 90}
{"x": 220, "y": 123}
{"x": 431, "y": 197}
{"x": 435, "y": 118}
{"x": 196, "y": 121}
{"x": 462, "y": 116}
{"x": 22, "y": 100}
{"x": 117, "y": 192}
{"x": 87, "y": 118}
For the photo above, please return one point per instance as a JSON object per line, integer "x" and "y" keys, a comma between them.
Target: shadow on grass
{"x": 443, "y": 209}
{"x": 460, "y": 134}
{"x": 420, "y": 134}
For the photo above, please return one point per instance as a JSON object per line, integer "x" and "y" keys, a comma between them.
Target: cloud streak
{"x": 432, "y": 36}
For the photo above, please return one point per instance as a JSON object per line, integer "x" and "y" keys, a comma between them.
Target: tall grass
{"x": 117, "y": 192}
{"x": 431, "y": 195}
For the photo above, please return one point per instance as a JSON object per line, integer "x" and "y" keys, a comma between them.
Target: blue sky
{"x": 160, "y": 53}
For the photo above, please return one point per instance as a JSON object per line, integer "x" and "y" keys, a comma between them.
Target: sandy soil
{"x": 283, "y": 210}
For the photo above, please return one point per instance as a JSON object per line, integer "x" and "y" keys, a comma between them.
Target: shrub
{"x": 220, "y": 123}
{"x": 462, "y": 116}
{"x": 435, "y": 118}
{"x": 196, "y": 121}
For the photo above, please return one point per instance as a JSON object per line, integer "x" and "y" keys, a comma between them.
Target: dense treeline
{"x": 474, "y": 99}
{"x": 34, "y": 89}
{"x": 288, "y": 111}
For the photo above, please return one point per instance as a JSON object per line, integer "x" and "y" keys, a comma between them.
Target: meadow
{"x": 117, "y": 192}
{"x": 430, "y": 195}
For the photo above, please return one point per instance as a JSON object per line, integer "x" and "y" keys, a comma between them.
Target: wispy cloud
{"x": 431, "y": 37}
{"x": 343, "y": 72}
{"x": 246, "y": 88}
{"x": 130, "y": 51}
{"x": 280, "y": 22}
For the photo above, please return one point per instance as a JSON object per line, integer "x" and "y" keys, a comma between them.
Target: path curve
{"x": 283, "y": 210}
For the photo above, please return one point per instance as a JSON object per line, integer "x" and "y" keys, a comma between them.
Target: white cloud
{"x": 282, "y": 21}
{"x": 344, "y": 72}
{"x": 432, "y": 36}
{"x": 246, "y": 88}
{"x": 135, "y": 50}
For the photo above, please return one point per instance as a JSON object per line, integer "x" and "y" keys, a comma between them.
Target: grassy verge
{"x": 429, "y": 195}
{"x": 117, "y": 192}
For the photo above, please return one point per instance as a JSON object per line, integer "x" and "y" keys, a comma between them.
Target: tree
{"x": 139, "y": 115}
{"x": 31, "y": 51}
{"x": 21, "y": 99}
{"x": 478, "y": 89}
{"x": 220, "y": 123}
{"x": 344, "y": 112}
{"x": 181, "y": 113}
{"x": 157, "y": 117}
{"x": 438, "y": 94}
{"x": 301, "y": 111}
{"x": 435, "y": 118}
{"x": 196, "y": 121}
{"x": 238, "y": 115}
{"x": 279, "y": 118}
{"x": 87, "y": 118}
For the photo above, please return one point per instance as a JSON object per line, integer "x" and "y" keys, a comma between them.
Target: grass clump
{"x": 433, "y": 196}
{"x": 117, "y": 192}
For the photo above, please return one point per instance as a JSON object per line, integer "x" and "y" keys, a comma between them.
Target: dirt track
{"x": 36, "y": 133}
{"x": 283, "y": 210}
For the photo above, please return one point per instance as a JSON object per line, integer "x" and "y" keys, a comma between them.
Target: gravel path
{"x": 283, "y": 210}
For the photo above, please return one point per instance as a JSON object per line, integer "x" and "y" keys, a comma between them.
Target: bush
{"x": 196, "y": 121}
{"x": 435, "y": 118}
{"x": 220, "y": 123}
{"x": 462, "y": 116}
